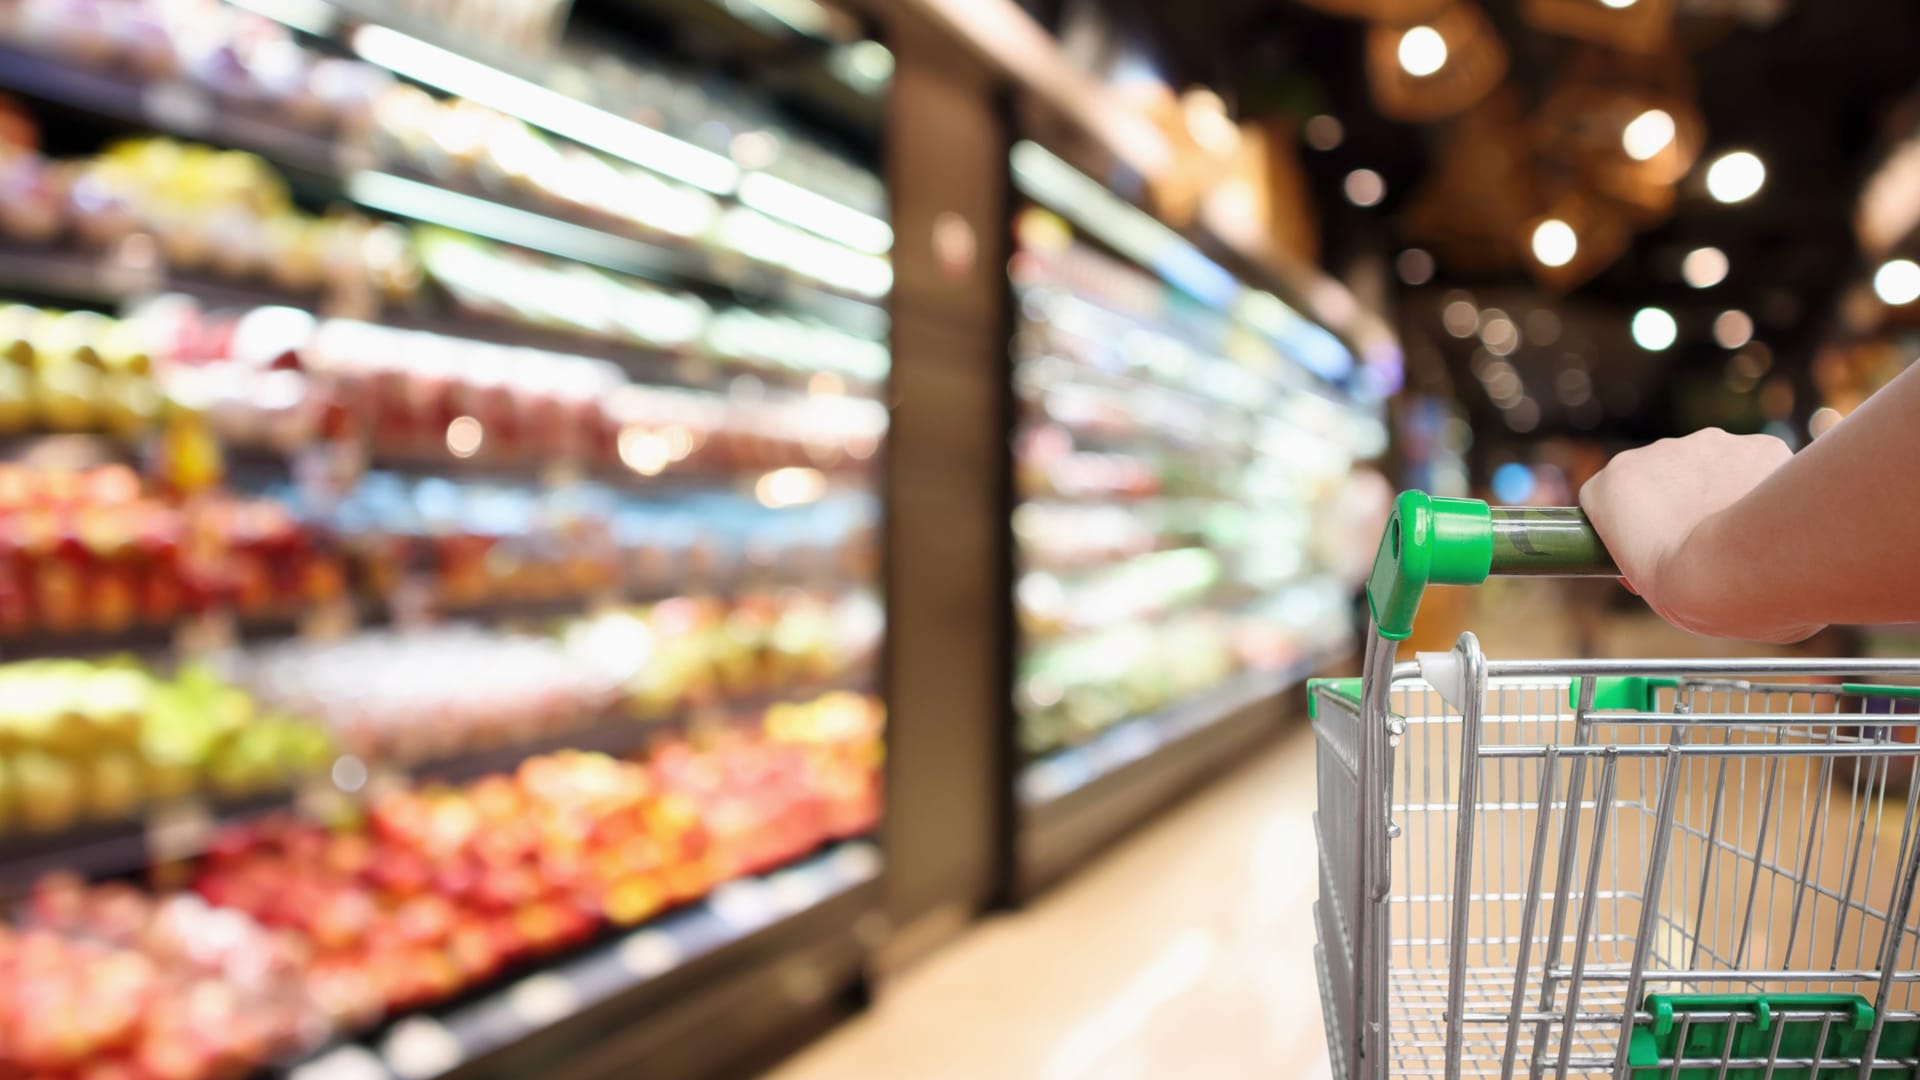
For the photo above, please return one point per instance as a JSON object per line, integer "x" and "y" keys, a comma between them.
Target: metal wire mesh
{"x": 1730, "y": 836}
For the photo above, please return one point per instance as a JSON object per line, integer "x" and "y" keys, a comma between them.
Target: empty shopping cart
{"x": 1626, "y": 868}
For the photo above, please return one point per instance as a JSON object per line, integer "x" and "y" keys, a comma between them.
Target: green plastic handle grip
{"x": 1438, "y": 541}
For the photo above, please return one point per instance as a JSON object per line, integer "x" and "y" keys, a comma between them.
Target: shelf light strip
{"x": 816, "y": 213}
{"x": 1043, "y": 176}
{"x": 546, "y": 109}
{"x": 437, "y": 206}
{"x": 315, "y": 17}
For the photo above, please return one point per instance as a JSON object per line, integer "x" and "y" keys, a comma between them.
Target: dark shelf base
{"x": 1054, "y": 836}
{"x": 742, "y": 980}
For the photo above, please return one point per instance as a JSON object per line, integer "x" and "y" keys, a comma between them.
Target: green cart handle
{"x": 1435, "y": 541}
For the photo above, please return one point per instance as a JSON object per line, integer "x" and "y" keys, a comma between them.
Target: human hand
{"x": 1657, "y": 507}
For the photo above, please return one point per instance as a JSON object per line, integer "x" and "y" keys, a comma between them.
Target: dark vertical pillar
{"x": 946, "y": 490}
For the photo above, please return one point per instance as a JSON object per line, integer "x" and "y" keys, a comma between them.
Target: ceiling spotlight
{"x": 1654, "y": 329}
{"x": 1461, "y": 318}
{"x": 1415, "y": 266}
{"x": 1733, "y": 329}
{"x": 1647, "y": 134}
{"x": 1897, "y": 281}
{"x": 1554, "y": 242}
{"x": 1365, "y": 188}
{"x": 1498, "y": 333}
{"x": 1704, "y": 267}
{"x": 1324, "y": 132}
{"x": 1735, "y": 177}
{"x": 1422, "y": 51}
{"x": 1619, "y": 5}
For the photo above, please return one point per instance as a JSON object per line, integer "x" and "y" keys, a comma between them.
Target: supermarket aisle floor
{"x": 1187, "y": 951}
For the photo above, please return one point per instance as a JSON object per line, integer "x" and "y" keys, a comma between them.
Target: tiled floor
{"x": 1187, "y": 951}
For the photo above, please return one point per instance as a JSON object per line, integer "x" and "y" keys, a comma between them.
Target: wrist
{"x": 1695, "y": 578}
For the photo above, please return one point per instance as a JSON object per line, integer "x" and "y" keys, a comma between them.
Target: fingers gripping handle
{"x": 1433, "y": 541}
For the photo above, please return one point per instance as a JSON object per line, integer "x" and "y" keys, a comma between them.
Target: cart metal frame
{"x": 1519, "y": 861}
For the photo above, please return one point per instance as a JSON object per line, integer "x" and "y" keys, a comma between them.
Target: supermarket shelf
{"x": 183, "y": 829}
{"x": 105, "y": 849}
{"x": 222, "y": 626}
{"x": 98, "y": 278}
{"x": 93, "y": 277}
{"x": 620, "y": 733}
{"x": 177, "y": 107}
{"x": 794, "y": 65}
{"x": 251, "y": 466}
{"x": 762, "y": 959}
{"x": 1071, "y": 804}
{"x": 351, "y": 172}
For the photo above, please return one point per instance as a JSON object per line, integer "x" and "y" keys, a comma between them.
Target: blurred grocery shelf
{"x": 684, "y": 968}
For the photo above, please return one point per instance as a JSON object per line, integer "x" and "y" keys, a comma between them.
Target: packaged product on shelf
{"x": 230, "y": 213}
{"x": 425, "y": 398}
{"x": 705, "y": 650}
{"x": 424, "y": 694}
{"x": 242, "y": 58}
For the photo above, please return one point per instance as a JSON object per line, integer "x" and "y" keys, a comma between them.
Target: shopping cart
{"x": 1644, "y": 869}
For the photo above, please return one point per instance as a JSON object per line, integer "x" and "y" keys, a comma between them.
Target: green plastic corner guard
{"x": 1348, "y": 688}
{"x": 1903, "y": 693}
{"x": 1428, "y": 541}
{"x": 1621, "y": 693}
{"x": 1706, "y": 1041}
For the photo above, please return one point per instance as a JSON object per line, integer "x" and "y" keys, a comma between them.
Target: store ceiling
{"x": 1808, "y": 87}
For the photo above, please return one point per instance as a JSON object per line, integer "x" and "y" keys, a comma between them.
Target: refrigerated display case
{"x": 439, "y": 529}
{"x": 1180, "y": 440}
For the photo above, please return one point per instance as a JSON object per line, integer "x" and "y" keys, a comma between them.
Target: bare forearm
{"x": 1832, "y": 536}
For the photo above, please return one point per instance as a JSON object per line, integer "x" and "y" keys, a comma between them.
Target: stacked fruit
{"x": 705, "y": 650}
{"x": 416, "y": 396}
{"x": 74, "y": 371}
{"x": 443, "y": 888}
{"x": 429, "y": 693}
{"x": 294, "y": 930}
{"x": 106, "y": 981}
{"x": 472, "y": 543}
{"x": 1072, "y": 689}
{"x": 811, "y": 773}
{"x": 209, "y": 210}
{"x": 97, "y": 741}
{"x": 93, "y": 551}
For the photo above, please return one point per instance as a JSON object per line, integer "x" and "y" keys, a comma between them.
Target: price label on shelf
{"x": 795, "y": 891}
{"x": 540, "y": 1000}
{"x": 206, "y": 634}
{"x": 856, "y": 861}
{"x": 179, "y": 831}
{"x": 747, "y": 905}
{"x": 411, "y": 602}
{"x": 420, "y": 1048}
{"x": 560, "y": 475}
{"x": 341, "y": 1063}
{"x": 351, "y": 156}
{"x": 329, "y": 621}
{"x": 178, "y": 106}
{"x": 648, "y": 953}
